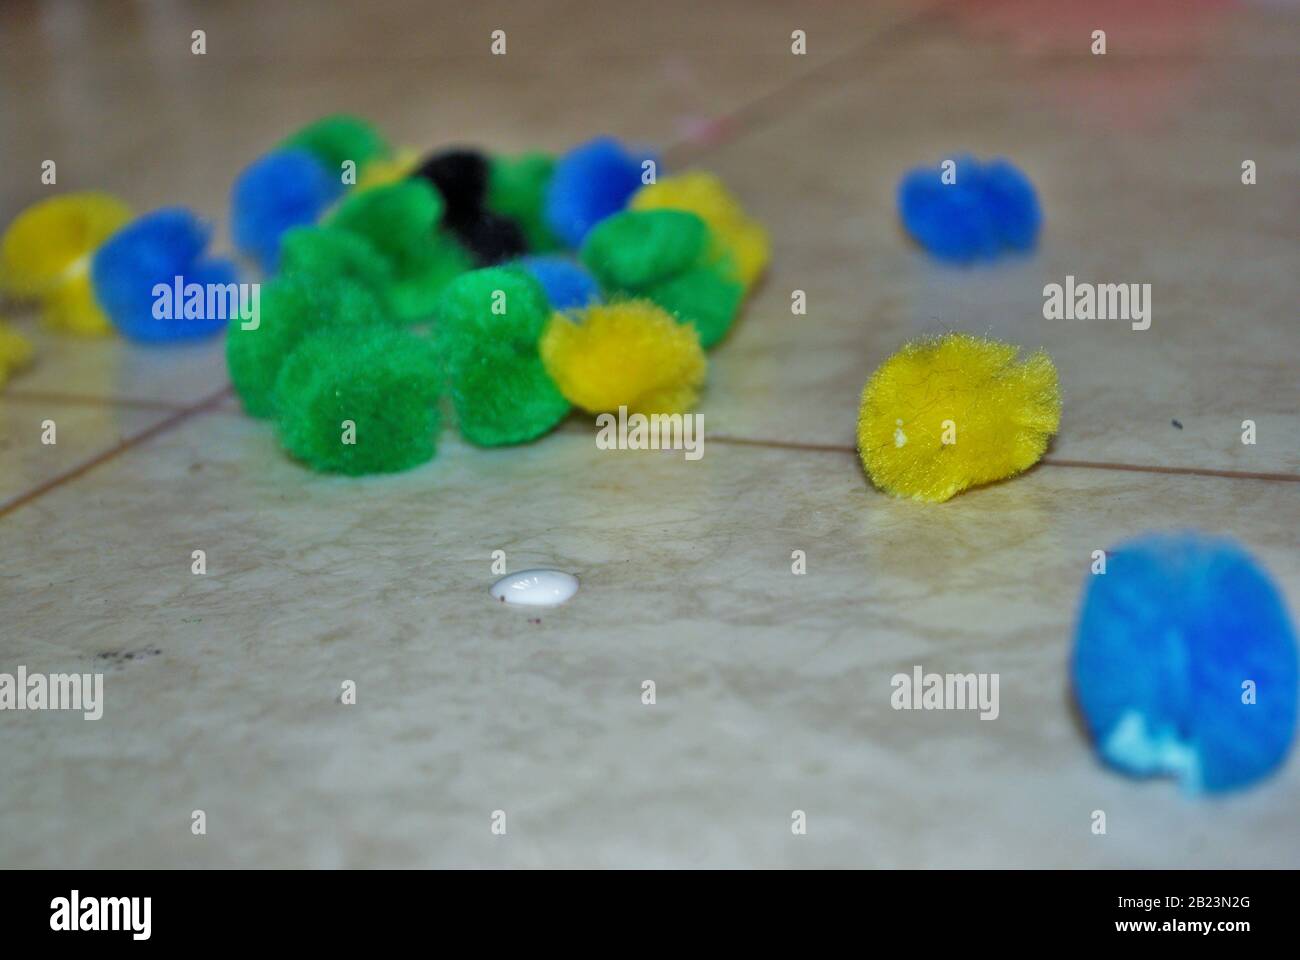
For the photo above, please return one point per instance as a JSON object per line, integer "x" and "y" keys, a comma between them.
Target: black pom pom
{"x": 491, "y": 238}
{"x": 461, "y": 177}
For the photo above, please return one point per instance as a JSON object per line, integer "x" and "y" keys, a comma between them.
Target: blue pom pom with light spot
{"x": 987, "y": 209}
{"x": 282, "y": 190}
{"x": 156, "y": 249}
{"x": 1185, "y": 663}
{"x": 567, "y": 284}
{"x": 591, "y": 182}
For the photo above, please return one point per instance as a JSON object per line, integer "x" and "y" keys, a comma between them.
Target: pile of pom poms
{"x": 506, "y": 289}
{"x": 953, "y": 412}
{"x": 968, "y": 210}
{"x": 1185, "y": 663}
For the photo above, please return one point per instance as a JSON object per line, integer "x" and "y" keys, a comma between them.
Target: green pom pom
{"x": 400, "y": 221}
{"x": 706, "y": 296}
{"x": 517, "y": 189}
{"x": 335, "y": 139}
{"x": 634, "y": 249}
{"x": 359, "y": 402}
{"x": 489, "y": 323}
{"x": 292, "y": 306}
{"x": 331, "y": 252}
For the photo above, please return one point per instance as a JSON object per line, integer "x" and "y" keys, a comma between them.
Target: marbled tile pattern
{"x": 772, "y": 689}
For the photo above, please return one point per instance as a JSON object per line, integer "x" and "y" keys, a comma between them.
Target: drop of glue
{"x": 536, "y": 588}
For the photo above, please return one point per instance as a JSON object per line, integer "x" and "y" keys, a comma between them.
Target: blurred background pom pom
{"x": 288, "y": 188}
{"x": 566, "y": 283}
{"x": 965, "y": 210}
{"x": 155, "y": 250}
{"x": 589, "y": 183}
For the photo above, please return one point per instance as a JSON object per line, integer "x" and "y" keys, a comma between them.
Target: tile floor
{"x": 773, "y": 690}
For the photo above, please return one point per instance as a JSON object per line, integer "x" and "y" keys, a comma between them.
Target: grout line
{"x": 77, "y": 399}
{"x": 740, "y": 122}
{"x": 1046, "y": 461}
{"x": 81, "y": 469}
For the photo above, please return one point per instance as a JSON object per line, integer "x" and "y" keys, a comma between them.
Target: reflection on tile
{"x": 772, "y": 689}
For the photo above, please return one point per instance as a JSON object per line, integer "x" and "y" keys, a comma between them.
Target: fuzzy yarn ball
{"x": 281, "y": 190}
{"x": 293, "y": 306}
{"x": 987, "y": 209}
{"x": 567, "y": 285}
{"x": 359, "y": 401}
{"x": 490, "y": 238}
{"x": 1185, "y": 663}
{"x": 401, "y": 222}
{"x": 742, "y": 239}
{"x": 153, "y": 250}
{"x": 629, "y": 353}
{"x": 16, "y": 351}
{"x": 336, "y": 254}
{"x": 589, "y": 183}
{"x": 517, "y": 189}
{"x": 45, "y": 255}
{"x": 667, "y": 256}
{"x": 489, "y": 324}
{"x": 336, "y": 139}
{"x": 460, "y": 176}
{"x": 382, "y": 171}
{"x": 945, "y": 414}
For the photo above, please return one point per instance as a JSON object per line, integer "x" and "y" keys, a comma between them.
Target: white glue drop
{"x": 900, "y": 438}
{"x": 536, "y": 588}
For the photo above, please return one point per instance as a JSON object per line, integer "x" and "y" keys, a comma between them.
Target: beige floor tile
{"x": 1159, "y": 203}
{"x": 772, "y": 689}
{"x": 81, "y": 431}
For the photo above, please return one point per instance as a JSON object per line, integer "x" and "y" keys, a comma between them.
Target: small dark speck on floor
{"x": 1176, "y": 424}
{"x": 534, "y": 620}
{"x": 195, "y": 467}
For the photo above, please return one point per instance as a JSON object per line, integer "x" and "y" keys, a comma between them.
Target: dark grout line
{"x": 1046, "y": 461}
{"x": 77, "y": 399}
{"x": 81, "y": 469}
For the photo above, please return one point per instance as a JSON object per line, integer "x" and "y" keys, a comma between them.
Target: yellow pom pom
{"x": 945, "y": 414}
{"x": 382, "y": 171}
{"x": 630, "y": 353}
{"x": 704, "y": 195}
{"x": 15, "y": 351}
{"x": 53, "y": 239}
{"x": 71, "y": 307}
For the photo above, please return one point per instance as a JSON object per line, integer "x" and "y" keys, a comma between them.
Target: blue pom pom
{"x": 590, "y": 183}
{"x": 1185, "y": 663}
{"x": 568, "y": 286}
{"x": 156, "y": 249}
{"x": 288, "y": 188}
{"x": 988, "y": 208}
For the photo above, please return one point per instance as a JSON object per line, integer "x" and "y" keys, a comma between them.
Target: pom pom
{"x": 491, "y": 238}
{"x": 16, "y": 351}
{"x": 567, "y": 285}
{"x": 156, "y": 249}
{"x": 336, "y": 254}
{"x": 625, "y": 354}
{"x": 945, "y": 414}
{"x": 489, "y": 323}
{"x": 45, "y": 255}
{"x": 359, "y": 401}
{"x": 589, "y": 183}
{"x": 385, "y": 170}
{"x": 292, "y": 307}
{"x": 633, "y": 250}
{"x": 1185, "y": 663}
{"x": 705, "y": 296}
{"x": 400, "y": 222}
{"x": 461, "y": 178}
{"x": 667, "y": 256}
{"x": 987, "y": 209}
{"x": 285, "y": 189}
{"x": 742, "y": 239}
{"x": 517, "y": 189}
{"x": 336, "y": 139}
{"x": 52, "y": 238}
